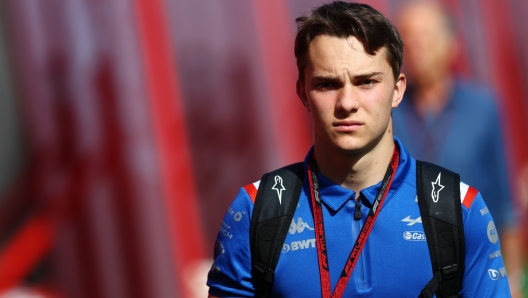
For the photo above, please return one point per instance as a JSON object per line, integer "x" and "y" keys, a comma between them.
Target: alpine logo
{"x": 437, "y": 187}
{"x": 414, "y": 236}
{"x": 412, "y": 221}
{"x": 278, "y": 187}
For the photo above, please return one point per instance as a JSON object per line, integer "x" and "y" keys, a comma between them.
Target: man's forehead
{"x": 328, "y": 52}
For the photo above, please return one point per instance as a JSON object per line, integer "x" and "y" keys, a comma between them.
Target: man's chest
{"x": 395, "y": 258}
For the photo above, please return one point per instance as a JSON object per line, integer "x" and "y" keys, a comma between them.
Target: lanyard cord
{"x": 322, "y": 253}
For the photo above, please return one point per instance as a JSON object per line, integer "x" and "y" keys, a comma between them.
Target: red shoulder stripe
{"x": 252, "y": 191}
{"x": 470, "y": 196}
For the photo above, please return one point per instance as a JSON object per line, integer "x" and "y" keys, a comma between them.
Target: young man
{"x": 349, "y": 58}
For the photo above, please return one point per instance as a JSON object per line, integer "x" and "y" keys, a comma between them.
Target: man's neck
{"x": 356, "y": 171}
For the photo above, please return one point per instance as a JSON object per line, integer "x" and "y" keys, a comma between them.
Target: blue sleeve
{"x": 230, "y": 274}
{"x": 485, "y": 274}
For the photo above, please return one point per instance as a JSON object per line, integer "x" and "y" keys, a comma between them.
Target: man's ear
{"x": 399, "y": 89}
{"x": 301, "y": 92}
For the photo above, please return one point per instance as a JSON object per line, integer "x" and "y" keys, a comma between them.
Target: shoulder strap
{"x": 441, "y": 212}
{"x": 275, "y": 204}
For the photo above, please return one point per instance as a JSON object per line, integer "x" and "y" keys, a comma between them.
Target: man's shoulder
{"x": 467, "y": 195}
{"x": 252, "y": 189}
{"x": 278, "y": 176}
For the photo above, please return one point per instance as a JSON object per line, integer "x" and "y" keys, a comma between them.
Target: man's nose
{"x": 347, "y": 100}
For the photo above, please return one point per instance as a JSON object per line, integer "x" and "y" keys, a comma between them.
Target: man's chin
{"x": 352, "y": 149}
{"x": 356, "y": 146}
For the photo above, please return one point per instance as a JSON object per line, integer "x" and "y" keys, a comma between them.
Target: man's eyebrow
{"x": 367, "y": 75}
{"x": 363, "y": 76}
{"x": 325, "y": 78}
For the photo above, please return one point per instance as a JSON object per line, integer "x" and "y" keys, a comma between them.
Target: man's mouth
{"x": 347, "y": 125}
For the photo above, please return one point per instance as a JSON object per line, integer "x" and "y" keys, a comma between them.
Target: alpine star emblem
{"x": 412, "y": 221}
{"x": 279, "y": 187}
{"x": 437, "y": 187}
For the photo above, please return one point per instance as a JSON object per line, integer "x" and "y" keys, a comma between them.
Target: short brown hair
{"x": 342, "y": 19}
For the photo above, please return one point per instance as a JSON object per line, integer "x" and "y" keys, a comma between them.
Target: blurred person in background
{"x": 454, "y": 123}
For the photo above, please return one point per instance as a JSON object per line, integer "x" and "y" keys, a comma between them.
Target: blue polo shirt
{"x": 465, "y": 138}
{"x": 395, "y": 261}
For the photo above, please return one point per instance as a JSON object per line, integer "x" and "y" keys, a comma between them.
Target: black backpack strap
{"x": 275, "y": 204}
{"x": 441, "y": 212}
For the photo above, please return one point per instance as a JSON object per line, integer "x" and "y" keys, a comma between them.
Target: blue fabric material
{"x": 395, "y": 261}
{"x": 466, "y": 138}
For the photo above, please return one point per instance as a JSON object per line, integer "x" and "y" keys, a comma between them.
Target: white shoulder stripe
{"x": 256, "y": 184}
{"x": 463, "y": 191}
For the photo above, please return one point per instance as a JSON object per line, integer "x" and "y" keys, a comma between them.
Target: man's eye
{"x": 326, "y": 86}
{"x": 367, "y": 83}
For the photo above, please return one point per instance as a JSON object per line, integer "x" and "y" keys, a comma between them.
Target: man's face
{"x": 349, "y": 93}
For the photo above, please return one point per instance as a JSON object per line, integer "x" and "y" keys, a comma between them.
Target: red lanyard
{"x": 322, "y": 253}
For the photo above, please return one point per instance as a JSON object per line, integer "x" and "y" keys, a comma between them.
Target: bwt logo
{"x": 414, "y": 236}
{"x": 296, "y": 245}
{"x": 496, "y": 274}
